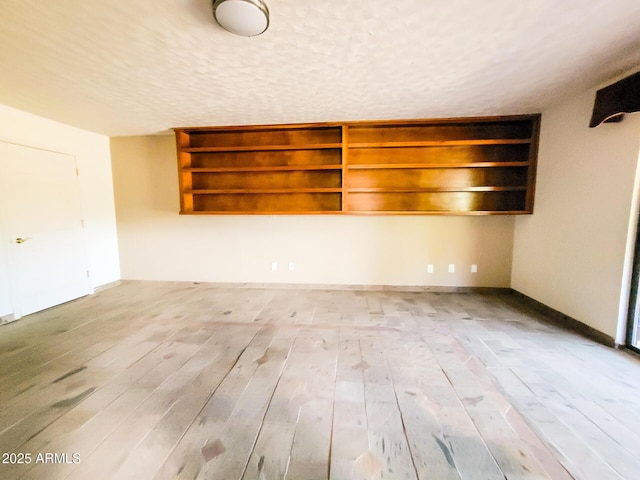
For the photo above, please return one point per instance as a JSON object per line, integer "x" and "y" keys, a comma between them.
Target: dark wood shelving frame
{"x": 455, "y": 166}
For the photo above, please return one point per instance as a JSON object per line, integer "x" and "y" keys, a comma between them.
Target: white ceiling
{"x": 141, "y": 66}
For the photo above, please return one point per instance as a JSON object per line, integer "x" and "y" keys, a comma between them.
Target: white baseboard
{"x": 8, "y": 318}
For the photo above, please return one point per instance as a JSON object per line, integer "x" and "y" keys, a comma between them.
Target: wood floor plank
{"x": 431, "y": 452}
{"x": 140, "y": 423}
{"x": 271, "y": 454}
{"x": 135, "y": 384}
{"x": 211, "y": 433}
{"x": 240, "y": 434}
{"x": 350, "y": 439}
{"x": 509, "y": 450}
{"x": 317, "y": 352}
{"x": 612, "y": 452}
{"x": 388, "y": 442}
{"x": 158, "y": 444}
{"x": 351, "y": 458}
{"x": 310, "y": 451}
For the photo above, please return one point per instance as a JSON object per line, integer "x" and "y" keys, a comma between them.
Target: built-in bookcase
{"x": 449, "y": 166}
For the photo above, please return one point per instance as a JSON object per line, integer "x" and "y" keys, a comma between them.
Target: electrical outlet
{"x": 291, "y": 266}
{"x": 274, "y": 266}
{"x": 474, "y": 268}
{"x": 452, "y": 267}
{"x": 430, "y": 268}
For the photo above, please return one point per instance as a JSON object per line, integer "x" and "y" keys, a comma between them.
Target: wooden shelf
{"x": 438, "y": 189}
{"x": 437, "y": 213}
{"x": 459, "y": 166}
{"x": 263, "y": 191}
{"x": 445, "y": 156}
{"x": 262, "y": 148}
{"x": 441, "y": 143}
{"x": 460, "y": 202}
{"x": 291, "y": 168}
{"x": 274, "y": 212}
{"x": 268, "y": 202}
{"x": 371, "y": 166}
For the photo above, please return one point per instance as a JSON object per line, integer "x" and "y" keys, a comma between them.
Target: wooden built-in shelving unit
{"x": 272, "y": 169}
{"x": 450, "y": 166}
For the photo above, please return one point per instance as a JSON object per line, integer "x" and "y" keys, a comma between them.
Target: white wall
{"x": 570, "y": 254}
{"x": 93, "y": 158}
{"x": 158, "y": 244}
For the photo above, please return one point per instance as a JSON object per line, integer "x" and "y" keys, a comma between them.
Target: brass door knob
{"x": 21, "y": 240}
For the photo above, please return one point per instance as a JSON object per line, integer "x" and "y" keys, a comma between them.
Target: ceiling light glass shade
{"x": 242, "y": 17}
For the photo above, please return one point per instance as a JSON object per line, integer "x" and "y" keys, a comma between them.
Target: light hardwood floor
{"x": 155, "y": 380}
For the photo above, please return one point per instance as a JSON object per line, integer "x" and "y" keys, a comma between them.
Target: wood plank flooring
{"x": 163, "y": 380}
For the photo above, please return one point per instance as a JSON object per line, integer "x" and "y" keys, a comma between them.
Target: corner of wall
{"x": 570, "y": 254}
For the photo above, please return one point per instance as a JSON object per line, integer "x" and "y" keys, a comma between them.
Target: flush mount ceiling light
{"x": 242, "y": 17}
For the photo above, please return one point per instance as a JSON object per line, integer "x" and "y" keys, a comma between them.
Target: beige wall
{"x": 96, "y": 190}
{"x": 570, "y": 254}
{"x": 158, "y": 244}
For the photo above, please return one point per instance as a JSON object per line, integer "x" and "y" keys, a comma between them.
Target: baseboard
{"x": 370, "y": 288}
{"x": 559, "y": 319}
{"x": 106, "y": 286}
{"x": 8, "y": 318}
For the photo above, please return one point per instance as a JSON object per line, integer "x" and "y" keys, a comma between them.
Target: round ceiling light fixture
{"x": 242, "y": 17}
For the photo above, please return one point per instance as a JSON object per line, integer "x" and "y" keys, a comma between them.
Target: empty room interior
{"x": 284, "y": 239}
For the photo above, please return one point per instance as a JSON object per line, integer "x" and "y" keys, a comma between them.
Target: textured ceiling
{"x": 141, "y": 67}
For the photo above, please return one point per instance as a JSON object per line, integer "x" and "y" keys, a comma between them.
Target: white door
{"x": 42, "y": 226}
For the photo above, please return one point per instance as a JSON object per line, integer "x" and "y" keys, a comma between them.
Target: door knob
{"x": 21, "y": 240}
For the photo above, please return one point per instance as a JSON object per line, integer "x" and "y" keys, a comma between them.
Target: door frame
{"x": 633, "y": 312}
{"x": 8, "y": 246}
